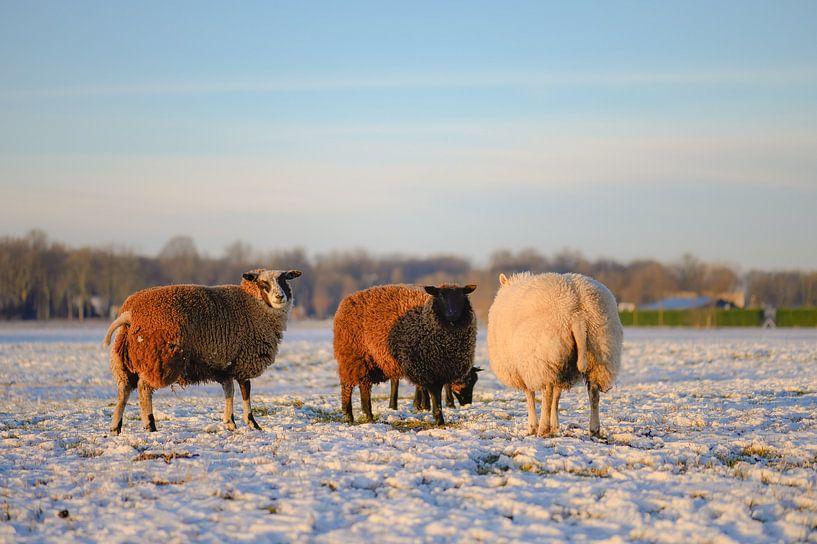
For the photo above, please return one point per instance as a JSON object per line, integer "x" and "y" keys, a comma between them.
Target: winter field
{"x": 709, "y": 436}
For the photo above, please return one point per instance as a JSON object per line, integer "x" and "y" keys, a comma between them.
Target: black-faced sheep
{"x": 186, "y": 334}
{"x": 548, "y": 331}
{"x": 425, "y": 334}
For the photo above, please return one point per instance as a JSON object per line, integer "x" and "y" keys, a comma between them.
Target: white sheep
{"x": 548, "y": 331}
{"x": 189, "y": 334}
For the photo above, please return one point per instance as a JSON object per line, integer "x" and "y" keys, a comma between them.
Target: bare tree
{"x": 179, "y": 260}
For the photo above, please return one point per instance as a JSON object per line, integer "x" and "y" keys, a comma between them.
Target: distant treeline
{"x": 42, "y": 279}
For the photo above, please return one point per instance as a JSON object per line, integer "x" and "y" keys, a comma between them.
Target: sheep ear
{"x": 470, "y": 288}
{"x": 431, "y": 290}
{"x": 503, "y": 279}
{"x": 292, "y": 274}
{"x": 250, "y": 276}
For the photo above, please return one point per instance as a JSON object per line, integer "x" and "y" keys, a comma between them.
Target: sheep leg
{"x": 531, "y": 396}
{"x": 366, "y": 400}
{"x": 125, "y": 388}
{"x": 146, "y": 406}
{"x": 544, "y": 419}
{"x": 395, "y": 386}
{"x": 418, "y": 398}
{"x": 449, "y": 396}
{"x": 593, "y": 395}
{"x": 346, "y": 401}
{"x": 436, "y": 394}
{"x": 245, "y": 396}
{"x": 421, "y": 400}
{"x": 554, "y": 410}
{"x": 229, "y": 389}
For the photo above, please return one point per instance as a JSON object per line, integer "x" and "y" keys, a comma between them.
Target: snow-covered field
{"x": 709, "y": 436}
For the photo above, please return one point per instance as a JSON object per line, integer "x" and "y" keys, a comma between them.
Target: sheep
{"x": 426, "y": 334}
{"x": 462, "y": 389}
{"x": 548, "y": 331}
{"x": 187, "y": 334}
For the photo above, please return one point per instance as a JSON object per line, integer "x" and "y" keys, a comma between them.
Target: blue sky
{"x": 624, "y": 130}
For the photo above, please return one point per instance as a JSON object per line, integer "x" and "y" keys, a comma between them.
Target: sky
{"x": 623, "y": 130}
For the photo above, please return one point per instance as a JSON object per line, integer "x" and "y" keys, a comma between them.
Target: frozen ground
{"x": 710, "y": 436}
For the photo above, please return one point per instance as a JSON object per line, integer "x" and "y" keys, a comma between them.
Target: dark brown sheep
{"x": 186, "y": 334}
{"x": 425, "y": 334}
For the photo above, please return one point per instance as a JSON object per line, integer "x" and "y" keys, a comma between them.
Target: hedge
{"x": 796, "y": 317}
{"x": 707, "y": 317}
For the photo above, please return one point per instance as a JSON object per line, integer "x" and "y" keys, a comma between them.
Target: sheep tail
{"x": 123, "y": 319}
{"x": 579, "y": 330}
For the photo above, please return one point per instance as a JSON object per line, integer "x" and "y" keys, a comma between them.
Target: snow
{"x": 709, "y": 436}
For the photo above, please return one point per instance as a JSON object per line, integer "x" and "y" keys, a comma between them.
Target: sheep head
{"x": 464, "y": 389}
{"x": 270, "y": 286}
{"x": 450, "y": 302}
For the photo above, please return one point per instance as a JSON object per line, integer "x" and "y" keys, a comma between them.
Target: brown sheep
{"x": 425, "y": 334}
{"x": 186, "y": 334}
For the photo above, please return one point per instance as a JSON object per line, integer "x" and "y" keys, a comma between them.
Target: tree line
{"x": 41, "y": 278}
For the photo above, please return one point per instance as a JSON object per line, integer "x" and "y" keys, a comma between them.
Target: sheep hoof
{"x": 546, "y": 432}
{"x": 117, "y": 429}
{"x": 229, "y": 424}
{"x": 252, "y": 423}
{"x": 531, "y": 431}
{"x": 595, "y": 432}
{"x": 151, "y": 426}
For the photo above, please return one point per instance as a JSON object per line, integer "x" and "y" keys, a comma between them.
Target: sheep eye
{"x": 263, "y": 285}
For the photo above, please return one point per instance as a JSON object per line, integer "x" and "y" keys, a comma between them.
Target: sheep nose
{"x": 279, "y": 298}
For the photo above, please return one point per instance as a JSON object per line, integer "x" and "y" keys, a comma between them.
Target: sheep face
{"x": 272, "y": 285}
{"x": 450, "y": 301}
{"x": 464, "y": 390}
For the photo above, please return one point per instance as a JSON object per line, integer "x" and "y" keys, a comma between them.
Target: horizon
{"x": 259, "y": 253}
{"x": 643, "y": 133}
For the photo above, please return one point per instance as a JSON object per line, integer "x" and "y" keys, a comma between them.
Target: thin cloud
{"x": 800, "y": 75}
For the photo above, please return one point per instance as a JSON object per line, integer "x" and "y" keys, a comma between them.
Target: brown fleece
{"x": 191, "y": 333}
{"x": 362, "y": 326}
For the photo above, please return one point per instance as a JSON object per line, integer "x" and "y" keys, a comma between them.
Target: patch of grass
{"x": 485, "y": 463}
{"x": 727, "y": 459}
{"x": 297, "y": 403}
{"x": 166, "y": 457}
{"x": 325, "y": 416}
{"x": 760, "y": 450}
{"x": 270, "y": 508}
{"x": 799, "y": 392}
{"x": 330, "y": 485}
{"x": 162, "y": 481}
{"x": 261, "y": 411}
{"x": 591, "y": 472}
{"x": 406, "y": 425}
{"x": 84, "y": 449}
